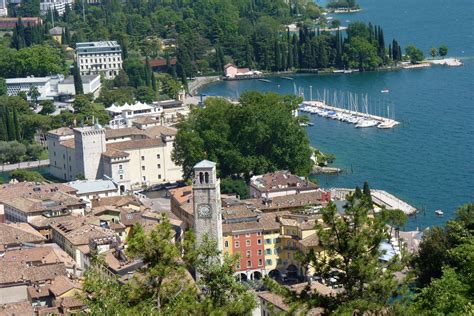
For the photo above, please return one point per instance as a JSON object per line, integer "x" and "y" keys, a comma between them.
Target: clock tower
{"x": 207, "y": 202}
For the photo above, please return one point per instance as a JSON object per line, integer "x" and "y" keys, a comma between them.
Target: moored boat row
{"x": 359, "y": 119}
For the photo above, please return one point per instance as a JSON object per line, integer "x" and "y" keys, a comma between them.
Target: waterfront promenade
{"x": 380, "y": 198}
{"x": 24, "y": 165}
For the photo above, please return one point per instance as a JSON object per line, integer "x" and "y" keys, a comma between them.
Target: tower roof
{"x": 205, "y": 164}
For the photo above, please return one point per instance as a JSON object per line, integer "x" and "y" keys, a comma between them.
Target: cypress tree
{"x": 16, "y": 125}
{"x": 153, "y": 82}
{"x": 295, "y": 52}
{"x": 390, "y": 51}
{"x": 147, "y": 72}
{"x": 277, "y": 56}
{"x": 289, "y": 62}
{"x": 3, "y": 125}
{"x": 77, "y": 80}
{"x": 399, "y": 53}
{"x": 10, "y": 125}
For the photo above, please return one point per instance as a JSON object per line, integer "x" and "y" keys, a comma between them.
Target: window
{"x": 249, "y": 264}
{"x": 268, "y": 241}
{"x": 260, "y": 262}
{"x": 144, "y": 178}
{"x": 248, "y": 253}
{"x": 159, "y": 176}
{"x": 247, "y": 235}
{"x": 237, "y": 266}
{"x": 226, "y": 244}
{"x": 276, "y": 251}
{"x": 237, "y": 244}
{"x": 276, "y": 240}
{"x": 158, "y": 156}
{"x": 268, "y": 251}
{"x": 268, "y": 262}
{"x": 259, "y": 233}
{"x": 121, "y": 177}
{"x": 143, "y": 168}
{"x": 236, "y": 236}
{"x": 143, "y": 157}
{"x": 120, "y": 167}
{"x": 259, "y": 252}
{"x": 259, "y": 241}
{"x": 247, "y": 242}
{"x": 159, "y": 166}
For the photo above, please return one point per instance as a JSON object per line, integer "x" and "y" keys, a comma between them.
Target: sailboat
{"x": 366, "y": 122}
{"x": 387, "y": 123}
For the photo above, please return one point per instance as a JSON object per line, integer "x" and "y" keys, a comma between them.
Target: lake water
{"x": 429, "y": 159}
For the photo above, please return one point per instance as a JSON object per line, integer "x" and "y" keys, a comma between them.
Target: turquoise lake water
{"x": 429, "y": 159}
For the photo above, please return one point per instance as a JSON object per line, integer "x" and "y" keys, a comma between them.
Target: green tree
{"x": 145, "y": 94}
{"x": 443, "y": 50}
{"x": 414, "y": 54}
{"x": 34, "y": 94}
{"x": 236, "y": 186}
{"x": 77, "y": 80}
{"x": 165, "y": 279}
{"x": 433, "y": 52}
{"x": 223, "y": 294}
{"x": 350, "y": 243}
{"x": 3, "y": 86}
{"x": 26, "y": 175}
{"x": 260, "y": 135}
{"x": 47, "y": 107}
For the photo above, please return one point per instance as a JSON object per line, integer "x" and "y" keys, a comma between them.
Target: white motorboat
{"x": 367, "y": 123}
{"x": 439, "y": 212}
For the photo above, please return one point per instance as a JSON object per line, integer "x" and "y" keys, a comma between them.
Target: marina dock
{"x": 380, "y": 198}
{"x": 360, "y": 119}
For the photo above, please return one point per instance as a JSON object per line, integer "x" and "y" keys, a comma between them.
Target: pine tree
{"x": 148, "y": 73}
{"x": 77, "y": 80}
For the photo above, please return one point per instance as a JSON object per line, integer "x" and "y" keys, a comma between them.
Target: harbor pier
{"x": 360, "y": 119}
{"x": 380, "y": 198}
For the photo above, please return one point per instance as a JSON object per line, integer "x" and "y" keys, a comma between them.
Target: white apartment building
{"x": 52, "y": 87}
{"x": 3, "y": 8}
{"x": 50, "y": 5}
{"x": 99, "y": 57}
{"x": 131, "y": 157}
{"x": 123, "y": 116}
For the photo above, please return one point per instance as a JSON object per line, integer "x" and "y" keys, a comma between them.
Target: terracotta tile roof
{"x": 43, "y": 221}
{"x": 274, "y": 299}
{"x": 62, "y": 131}
{"x": 62, "y": 284}
{"x": 270, "y": 220}
{"x": 311, "y": 241}
{"x": 242, "y": 227}
{"x": 69, "y": 143}
{"x": 130, "y": 217}
{"x": 44, "y": 201}
{"x": 36, "y": 291}
{"x": 161, "y": 62}
{"x": 122, "y": 132}
{"x": 19, "y": 233}
{"x": 69, "y": 303}
{"x": 135, "y": 144}
{"x": 280, "y": 181}
{"x": 17, "y": 272}
{"x": 112, "y": 260}
{"x": 47, "y": 311}
{"x": 156, "y": 131}
{"x": 113, "y": 153}
{"x": 182, "y": 195}
{"x": 38, "y": 255}
{"x": 116, "y": 201}
{"x": 16, "y": 309}
{"x": 81, "y": 230}
{"x": 146, "y": 120}
{"x": 24, "y": 189}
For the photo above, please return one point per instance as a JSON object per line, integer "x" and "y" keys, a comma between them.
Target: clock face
{"x": 204, "y": 210}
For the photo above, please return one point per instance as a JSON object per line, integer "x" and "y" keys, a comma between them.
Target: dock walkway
{"x": 380, "y": 198}
{"x": 324, "y": 106}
